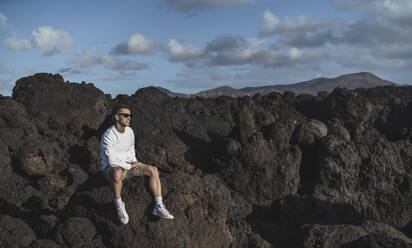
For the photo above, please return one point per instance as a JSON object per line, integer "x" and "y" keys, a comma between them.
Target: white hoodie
{"x": 117, "y": 149}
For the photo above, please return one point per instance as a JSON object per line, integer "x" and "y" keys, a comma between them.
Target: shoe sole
{"x": 166, "y": 218}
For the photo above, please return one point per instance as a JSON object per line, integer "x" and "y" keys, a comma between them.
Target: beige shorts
{"x": 136, "y": 171}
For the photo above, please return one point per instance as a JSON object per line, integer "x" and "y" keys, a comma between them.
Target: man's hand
{"x": 134, "y": 164}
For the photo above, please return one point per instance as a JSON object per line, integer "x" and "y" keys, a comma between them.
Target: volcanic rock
{"x": 278, "y": 170}
{"x": 15, "y": 232}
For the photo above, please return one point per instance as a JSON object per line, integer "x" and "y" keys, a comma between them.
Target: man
{"x": 119, "y": 162}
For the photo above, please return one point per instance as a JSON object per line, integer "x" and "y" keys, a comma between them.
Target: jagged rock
{"x": 45, "y": 225}
{"x": 77, "y": 232}
{"x": 16, "y": 126}
{"x": 323, "y": 236}
{"x": 93, "y": 148}
{"x": 378, "y": 240}
{"x": 18, "y": 190}
{"x": 78, "y": 176}
{"x": 277, "y": 170}
{"x": 232, "y": 146}
{"x": 336, "y": 126}
{"x": 44, "y": 243}
{"x": 307, "y": 133}
{"x": 61, "y": 105}
{"x": 15, "y": 232}
{"x": 368, "y": 234}
{"x": 5, "y": 164}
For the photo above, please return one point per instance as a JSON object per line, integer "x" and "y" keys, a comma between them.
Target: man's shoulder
{"x": 108, "y": 130}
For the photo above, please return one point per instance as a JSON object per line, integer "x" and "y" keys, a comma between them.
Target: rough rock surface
{"x": 280, "y": 170}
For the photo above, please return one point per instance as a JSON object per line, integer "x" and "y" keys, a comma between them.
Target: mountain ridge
{"x": 313, "y": 86}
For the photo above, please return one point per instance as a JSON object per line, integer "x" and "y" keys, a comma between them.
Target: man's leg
{"x": 154, "y": 180}
{"x": 156, "y": 188}
{"x": 117, "y": 189}
{"x": 117, "y": 182}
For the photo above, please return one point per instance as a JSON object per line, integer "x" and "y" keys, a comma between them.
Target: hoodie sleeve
{"x": 131, "y": 152}
{"x": 107, "y": 146}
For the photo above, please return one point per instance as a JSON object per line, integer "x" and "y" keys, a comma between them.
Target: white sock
{"x": 158, "y": 201}
{"x": 118, "y": 201}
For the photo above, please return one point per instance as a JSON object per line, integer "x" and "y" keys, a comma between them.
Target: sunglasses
{"x": 125, "y": 115}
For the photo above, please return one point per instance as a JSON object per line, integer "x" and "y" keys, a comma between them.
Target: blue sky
{"x": 192, "y": 45}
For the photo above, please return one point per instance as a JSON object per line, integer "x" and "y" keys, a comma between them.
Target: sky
{"x": 191, "y": 45}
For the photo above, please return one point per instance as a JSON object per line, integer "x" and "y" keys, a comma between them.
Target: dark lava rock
{"x": 5, "y": 163}
{"x": 278, "y": 170}
{"x": 44, "y": 243}
{"x": 78, "y": 232}
{"x": 307, "y": 133}
{"x": 45, "y": 225}
{"x": 15, "y": 232}
{"x": 61, "y": 105}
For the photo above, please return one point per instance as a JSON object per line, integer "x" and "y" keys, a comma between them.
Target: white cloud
{"x": 371, "y": 31}
{"x": 187, "y": 5}
{"x": 235, "y": 50}
{"x": 51, "y": 41}
{"x": 398, "y": 11}
{"x": 47, "y": 39}
{"x": 272, "y": 25}
{"x": 3, "y": 20}
{"x": 136, "y": 44}
{"x": 179, "y": 53}
{"x": 298, "y": 31}
{"x": 374, "y": 57}
{"x": 275, "y": 57}
{"x": 122, "y": 65}
{"x": 393, "y": 11}
{"x": 88, "y": 60}
{"x": 14, "y": 44}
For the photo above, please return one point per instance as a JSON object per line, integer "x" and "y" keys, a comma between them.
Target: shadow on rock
{"x": 202, "y": 152}
{"x": 93, "y": 182}
{"x": 407, "y": 230}
{"x": 280, "y": 222}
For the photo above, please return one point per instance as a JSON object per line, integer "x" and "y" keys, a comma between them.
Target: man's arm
{"x": 131, "y": 153}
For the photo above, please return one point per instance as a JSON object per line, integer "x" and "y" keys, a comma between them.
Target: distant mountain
{"x": 222, "y": 91}
{"x": 171, "y": 93}
{"x": 349, "y": 81}
{"x": 219, "y": 91}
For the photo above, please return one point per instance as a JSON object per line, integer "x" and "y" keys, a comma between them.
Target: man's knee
{"x": 117, "y": 175}
{"x": 153, "y": 171}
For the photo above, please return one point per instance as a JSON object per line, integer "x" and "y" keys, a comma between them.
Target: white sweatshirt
{"x": 117, "y": 149}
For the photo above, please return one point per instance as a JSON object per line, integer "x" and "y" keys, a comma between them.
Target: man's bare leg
{"x": 154, "y": 180}
{"x": 117, "y": 182}
{"x": 156, "y": 188}
{"x": 117, "y": 189}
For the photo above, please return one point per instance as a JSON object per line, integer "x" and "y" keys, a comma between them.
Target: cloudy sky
{"x": 192, "y": 45}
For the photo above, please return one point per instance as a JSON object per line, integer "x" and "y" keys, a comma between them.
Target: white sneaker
{"x": 162, "y": 212}
{"x": 121, "y": 213}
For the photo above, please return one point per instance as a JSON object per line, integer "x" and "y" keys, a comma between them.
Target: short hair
{"x": 119, "y": 107}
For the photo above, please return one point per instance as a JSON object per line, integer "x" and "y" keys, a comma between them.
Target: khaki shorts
{"x": 136, "y": 171}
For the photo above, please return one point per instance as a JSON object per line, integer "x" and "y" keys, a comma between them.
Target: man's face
{"x": 123, "y": 117}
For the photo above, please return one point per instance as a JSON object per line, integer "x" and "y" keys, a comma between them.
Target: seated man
{"x": 119, "y": 162}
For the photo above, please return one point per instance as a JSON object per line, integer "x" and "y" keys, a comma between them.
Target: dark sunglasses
{"x": 125, "y": 115}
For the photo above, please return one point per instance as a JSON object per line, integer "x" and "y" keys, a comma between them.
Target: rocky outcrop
{"x": 279, "y": 170}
